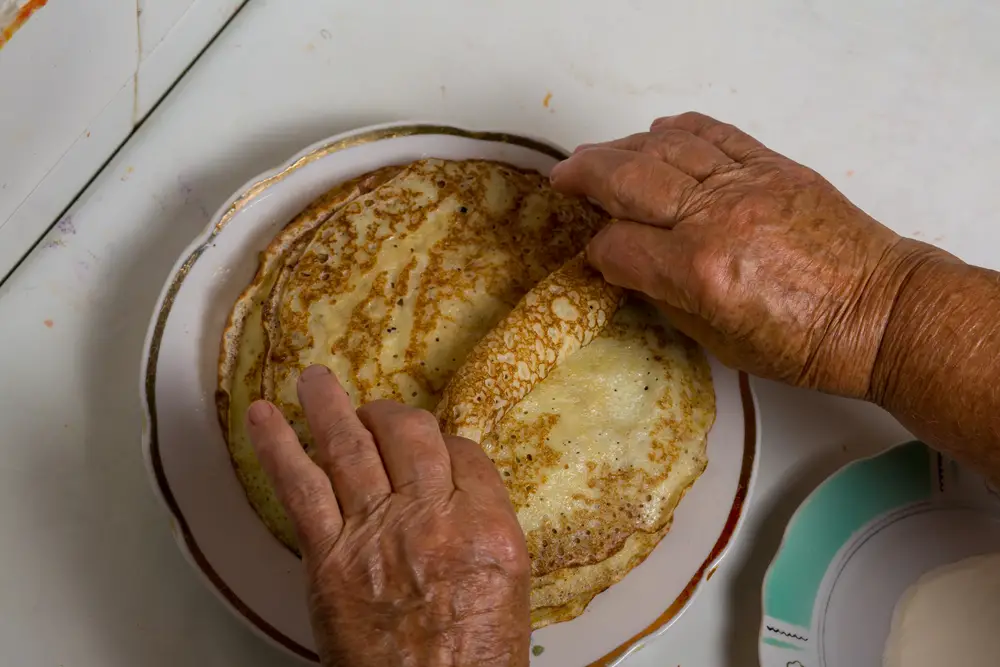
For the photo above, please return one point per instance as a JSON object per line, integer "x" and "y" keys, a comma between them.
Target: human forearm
{"x": 938, "y": 366}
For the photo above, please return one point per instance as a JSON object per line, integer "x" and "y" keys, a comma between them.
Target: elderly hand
{"x": 413, "y": 552}
{"x": 756, "y": 257}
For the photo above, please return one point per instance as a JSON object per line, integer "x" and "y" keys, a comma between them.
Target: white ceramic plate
{"x": 858, "y": 542}
{"x": 216, "y": 528}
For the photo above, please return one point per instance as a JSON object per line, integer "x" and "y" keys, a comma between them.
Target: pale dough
{"x": 950, "y": 616}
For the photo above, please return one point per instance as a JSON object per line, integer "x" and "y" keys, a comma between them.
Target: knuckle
{"x": 338, "y": 434}
{"x": 308, "y": 492}
{"x": 719, "y": 132}
{"x": 809, "y": 177}
{"x": 348, "y": 443}
{"x": 668, "y": 144}
{"x": 436, "y": 468}
{"x": 691, "y": 115}
{"x": 511, "y": 551}
{"x": 692, "y": 119}
{"x": 419, "y": 423}
{"x": 627, "y": 181}
{"x": 672, "y": 139}
{"x": 347, "y": 461}
{"x": 356, "y": 453}
{"x": 646, "y": 142}
{"x": 676, "y": 119}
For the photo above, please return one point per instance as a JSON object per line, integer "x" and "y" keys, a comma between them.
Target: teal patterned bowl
{"x": 858, "y": 542}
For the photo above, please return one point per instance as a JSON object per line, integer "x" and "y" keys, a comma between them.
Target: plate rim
{"x": 246, "y": 194}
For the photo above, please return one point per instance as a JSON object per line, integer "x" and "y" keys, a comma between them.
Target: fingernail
{"x": 259, "y": 411}
{"x": 556, "y": 169}
{"x": 582, "y": 147}
{"x": 591, "y": 254}
{"x": 314, "y": 371}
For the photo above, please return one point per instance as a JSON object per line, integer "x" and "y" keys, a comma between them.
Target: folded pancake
{"x": 555, "y": 319}
{"x": 598, "y": 452}
{"x": 392, "y": 290}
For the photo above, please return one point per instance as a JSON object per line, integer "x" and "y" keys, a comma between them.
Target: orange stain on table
{"x": 48, "y": 323}
{"x": 23, "y": 14}
{"x": 850, "y": 172}
{"x": 546, "y": 100}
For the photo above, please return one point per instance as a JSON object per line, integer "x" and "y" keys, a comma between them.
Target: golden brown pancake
{"x": 391, "y": 290}
{"x": 555, "y": 319}
{"x": 460, "y": 285}
{"x": 597, "y": 453}
{"x": 242, "y": 352}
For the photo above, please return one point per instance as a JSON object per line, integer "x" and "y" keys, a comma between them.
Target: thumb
{"x": 653, "y": 261}
{"x": 642, "y": 258}
{"x": 700, "y": 331}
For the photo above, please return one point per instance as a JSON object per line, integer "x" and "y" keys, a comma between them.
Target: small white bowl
{"x": 216, "y": 528}
{"x": 858, "y": 542}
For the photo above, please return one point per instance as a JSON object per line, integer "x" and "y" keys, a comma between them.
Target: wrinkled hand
{"x": 413, "y": 553}
{"x": 756, "y": 257}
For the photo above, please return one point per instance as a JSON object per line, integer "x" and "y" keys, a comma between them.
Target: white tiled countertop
{"x": 75, "y": 79}
{"x": 896, "y": 104}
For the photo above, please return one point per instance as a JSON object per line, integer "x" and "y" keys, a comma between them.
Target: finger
{"x": 637, "y": 186}
{"x": 344, "y": 447}
{"x": 690, "y": 154}
{"x": 473, "y": 472}
{"x": 641, "y": 258}
{"x": 411, "y": 445}
{"x": 301, "y": 486}
{"x": 729, "y": 139}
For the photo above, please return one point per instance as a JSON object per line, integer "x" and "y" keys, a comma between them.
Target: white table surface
{"x": 895, "y": 103}
{"x": 74, "y": 82}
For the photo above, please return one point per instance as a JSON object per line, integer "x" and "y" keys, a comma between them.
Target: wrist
{"x": 938, "y": 362}
{"x": 929, "y": 285}
{"x": 859, "y": 340}
{"x": 852, "y": 334}
{"x": 430, "y": 635}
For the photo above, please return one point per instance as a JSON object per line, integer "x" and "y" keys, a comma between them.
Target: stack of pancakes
{"x": 457, "y": 286}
